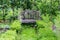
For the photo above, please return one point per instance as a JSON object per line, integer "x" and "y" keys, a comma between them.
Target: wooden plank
{"x": 28, "y": 21}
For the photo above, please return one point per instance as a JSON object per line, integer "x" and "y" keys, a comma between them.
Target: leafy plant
{"x": 44, "y": 33}
{"x": 42, "y": 24}
{"x": 9, "y": 35}
{"x": 46, "y": 17}
{"x": 28, "y": 34}
{"x": 45, "y": 29}
{"x": 16, "y": 25}
{"x": 1, "y": 14}
{"x": 9, "y": 13}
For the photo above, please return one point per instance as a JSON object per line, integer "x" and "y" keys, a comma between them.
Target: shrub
{"x": 28, "y": 34}
{"x": 16, "y": 25}
{"x": 46, "y": 34}
{"x": 42, "y": 24}
{"x": 9, "y": 35}
{"x": 1, "y": 14}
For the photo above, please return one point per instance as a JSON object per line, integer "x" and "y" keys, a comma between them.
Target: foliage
{"x": 57, "y": 22}
{"x": 48, "y": 6}
{"x": 2, "y": 25}
{"x": 9, "y": 35}
{"x": 28, "y": 34}
{"x": 9, "y": 13}
{"x": 45, "y": 31}
{"x": 1, "y": 14}
{"x": 10, "y": 9}
{"x": 48, "y": 38}
{"x": 45, "y": 6}
{"x": 45, "y": 22}
{"x": 45, "y": 18}
{"x": 16, "y": 25}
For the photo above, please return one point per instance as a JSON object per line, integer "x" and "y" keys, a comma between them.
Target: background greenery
{"x": 49, "y": 12}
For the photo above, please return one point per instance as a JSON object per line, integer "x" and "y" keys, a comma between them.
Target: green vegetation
{"x": 16, "y": 25}
{"x": 26, "y": 32}
{"x": 9, "y": 35}
{"x": 48, "y": 28}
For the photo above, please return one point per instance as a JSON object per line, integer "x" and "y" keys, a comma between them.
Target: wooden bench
{"x": 29, "y": 16}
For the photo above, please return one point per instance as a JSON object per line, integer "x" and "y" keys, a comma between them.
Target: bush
{"x": 28, "y": 34}
{"x": 16, "y": 25}
{"x": 9, "y": 35}
{"x": 9, "y": 13}
{"x": 1, "y": 14}
{"x": 46, "y": 34}
{"x": 45, "y": 31}
{"x": 45, "y": 22}
{"x": 42, "y": 24}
